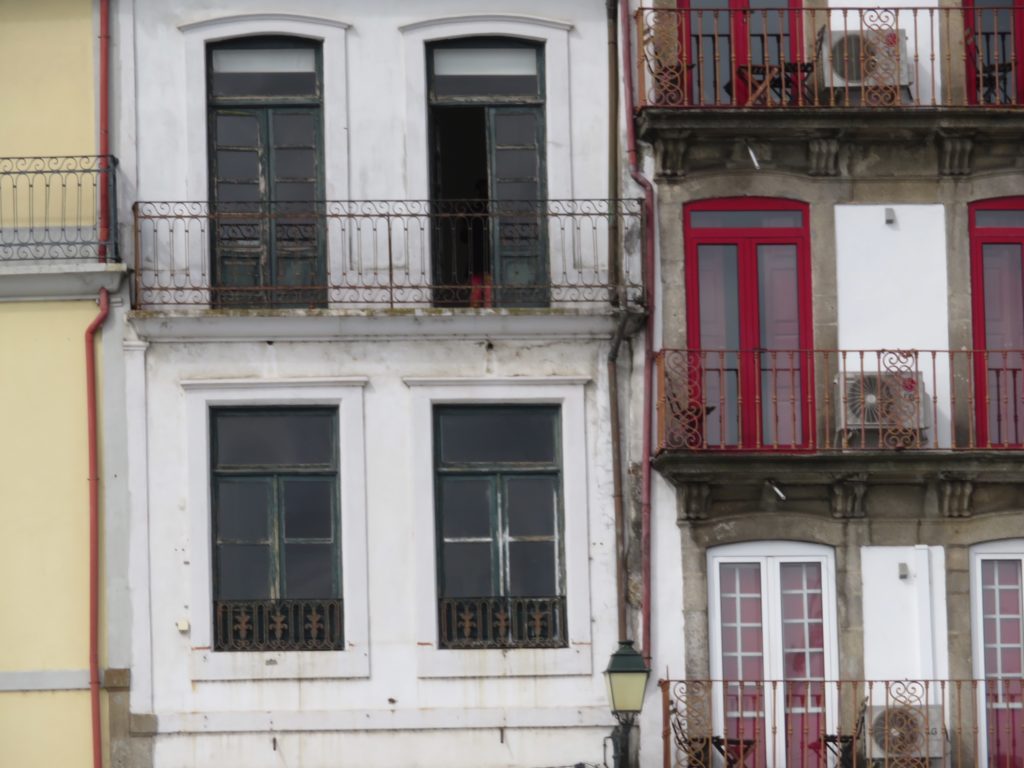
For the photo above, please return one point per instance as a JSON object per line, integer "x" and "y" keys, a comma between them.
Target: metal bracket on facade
{"x": 846, "y": 497}
{"x": 672, "y": 155}
{"x": 956, "y": 494}
{"x": 694, "y": 500}
{"x": 955, "y": 155}
{"x": 823, "y": 156}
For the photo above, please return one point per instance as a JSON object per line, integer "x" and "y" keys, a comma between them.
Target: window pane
{"x": 238, "y": 165}
{"x": 294, "y": 129}
{"x": 273, "y": 437}
{"x": 308, "y": 508}
{"x": 485, "y": 61}
{"x": 467, "y": 570}
{"x": 264, "y": 60}
{"x": 309, "y": 570}
{"x": 746, "y": 219}
{"x": 242, "y": 507}
{"x": 237, "y": 131}
{"x": 243, "y": 572}
{"x": 1010, "y": 219}
{"x": 531, "y": 505}
{"x": 294, "y": 164}
{"x": 519, "y": 128}
{"x": 466, "y": 504}
{"x": 264, "y": 84}
{"x": 532, "y": 569}
{"x": 486, "y": 435}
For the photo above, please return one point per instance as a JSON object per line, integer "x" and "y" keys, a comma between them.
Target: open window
{"x": 997, "y": 289}
{"x": 749, "y": 321}
{"x": 266, "y": 172}
{"x": 487, "y": 172}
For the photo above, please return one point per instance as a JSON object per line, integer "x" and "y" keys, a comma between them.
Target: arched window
{"x": 997, "y": 290}
{"x": 748, "y": 294}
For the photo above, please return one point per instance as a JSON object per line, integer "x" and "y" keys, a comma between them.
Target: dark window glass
{"x": 746, "y": 219}
{"x": 1002, "y": 219}
{"x": 466, "y": 504}
{"x": 308, "y": 508}
{"x": 532, "y": 505}
{"x": 271, "y": 437}
{"x": 482, "y": 435}
{"x": 243, "y": 506}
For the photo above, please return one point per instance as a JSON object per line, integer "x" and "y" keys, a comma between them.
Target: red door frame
{"x": 746, "y": 240}
{"x": 1012, "y": 67}
{"x": 737, "y": 27}
{"x": 979, "y": 237}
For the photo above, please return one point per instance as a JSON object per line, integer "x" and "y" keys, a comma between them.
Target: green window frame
{"x": 499, "y": 526}
{"x": 274, "y": 488}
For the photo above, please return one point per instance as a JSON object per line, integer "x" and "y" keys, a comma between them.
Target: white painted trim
{"x": 262, "y": 18}
{"x": 44, "y": 680}
{"x": 577, "y": 658}
{"x": 140, "y": 546}
{"x": 386, "y": 720}
{"x": 56, "y": 281}
{"x": 486, "y": 18}
{"x": 560, "y": 182}
{"x": 347, "y": 395}
{"x": 335, "y": 90}
{"x": 497, "y": 381}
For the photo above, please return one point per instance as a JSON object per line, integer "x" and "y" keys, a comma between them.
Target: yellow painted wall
{"x": 48, "y": 87}
{"x": 44, "y": 500}
{"x": 45, "y": 729}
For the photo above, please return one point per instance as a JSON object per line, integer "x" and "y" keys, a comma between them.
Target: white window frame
{"x": 771, "y": 554}
{"x": 1005, "y": 549}
{"x": 345, "y": 394}
{"x": 568, "y": 393}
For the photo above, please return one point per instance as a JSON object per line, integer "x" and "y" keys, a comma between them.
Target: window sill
{"x": 520, "y": 662}
{"x": 206, "y": 664}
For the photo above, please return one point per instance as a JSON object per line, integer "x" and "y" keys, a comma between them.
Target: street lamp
{"x": 627, "y": 678}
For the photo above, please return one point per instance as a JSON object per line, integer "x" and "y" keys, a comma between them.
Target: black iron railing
{"x": 58, "y": 208}
{"x": 502, "y": 622}
{"x": 278, "y": 625}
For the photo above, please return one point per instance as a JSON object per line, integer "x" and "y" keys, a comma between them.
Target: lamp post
{"x": 627, "y": 679}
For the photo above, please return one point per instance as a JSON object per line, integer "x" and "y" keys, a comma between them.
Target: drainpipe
{"x": 94, "y": 527}
{"x": 616, "y": 436}
{"x": 90, "y": 388}
{"x": 644, "y": 182}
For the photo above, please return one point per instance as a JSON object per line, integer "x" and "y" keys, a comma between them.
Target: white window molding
{"x": 332, "y": 35}
{"x": 554, "y": 36}
{"x": 567, "y": 392}
{"x": 347, "y": 395}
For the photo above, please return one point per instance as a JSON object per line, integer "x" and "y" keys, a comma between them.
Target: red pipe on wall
{"x": 94, "y": 527}
{"x": 649, "y": 293}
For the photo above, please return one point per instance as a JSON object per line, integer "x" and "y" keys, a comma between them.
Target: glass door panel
{"x": 718, "y": 269}
{"x": 779, "y": 349}
{"x": 1003, "y": 627}
{"x": 1004, "y": 340}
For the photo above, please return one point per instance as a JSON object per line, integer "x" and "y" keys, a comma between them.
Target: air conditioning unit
{"x": 881, "y": 400}
{"x": 902, "y": 732}
{"x": 865, "y": 59}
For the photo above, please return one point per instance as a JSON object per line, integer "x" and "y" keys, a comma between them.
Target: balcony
{"x": 844, "y": 723}
{"x": 839, "y": 401}
{"x": 51, "y": 209}
{"x": 467, "y": 254}
{"x": 802, "y": 58}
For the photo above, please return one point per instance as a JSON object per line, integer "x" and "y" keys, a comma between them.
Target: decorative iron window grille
{"x": 279, "y": 625}
{"x": 503, "y": 622}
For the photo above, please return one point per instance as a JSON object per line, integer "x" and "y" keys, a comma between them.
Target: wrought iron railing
{"x": 464, "y": 253}
{"x": 50, "y": 208}
{"x": 843, "y": 723}
{"x": 502, "y": 622}
{"x": 840, "y": 400}
{"x": 278, "y": 625}
{"x": 803, "y": 57}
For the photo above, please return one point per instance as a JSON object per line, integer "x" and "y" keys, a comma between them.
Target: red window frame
{"x": 983, "y": 360}
{"x": 747, "y": 239}
{"x": 997, "y": 79}
{"x": 733, "y": 23}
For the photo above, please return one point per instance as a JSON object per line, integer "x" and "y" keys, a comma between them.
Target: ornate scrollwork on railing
{"x": 502, "y": 622}
{"x": 900, "y": 399}
{"x": 663, "y": 58}
{"x": 683, "y": 414}
{"x": 278, "y": 625}
{"x": 879, "y": 53}
{"x": 690, "y": 722}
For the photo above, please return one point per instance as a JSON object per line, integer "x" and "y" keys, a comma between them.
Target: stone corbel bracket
{"x": 955, "y": 155}
{"x": 672, "y": 155}
{"x": 846, "y": 496}
{"x": 694, "y": 500}
{"x": 956, "y": 494}
{"x": 823, "y": 157}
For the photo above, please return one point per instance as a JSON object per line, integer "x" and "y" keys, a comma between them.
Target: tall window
{"x": 998, "y": 599}
{"x": 487, "y": 172}
{"x": 276, "y": 558}
{"x": 994, "y": 46}
{"x": 997, "y": 287}
{"x": 266, "y": 172}
{"x": 498, "y": 492}
{"x": 749, "y": 321}
{"x": 774, "y": 638}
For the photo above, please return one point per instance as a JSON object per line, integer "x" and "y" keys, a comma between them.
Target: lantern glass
{"x": 626, "y": 677}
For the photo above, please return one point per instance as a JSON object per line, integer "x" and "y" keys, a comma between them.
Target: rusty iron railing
{"x": 840, "y": 400}
{"x": 50, "y": 208}
{"x": 278, "y": 625}
{"x": 465, "y": 253}
{"x": 843, "y": 723}
{"x": 803, "y": 57}
{"x": 502, "y": 622}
